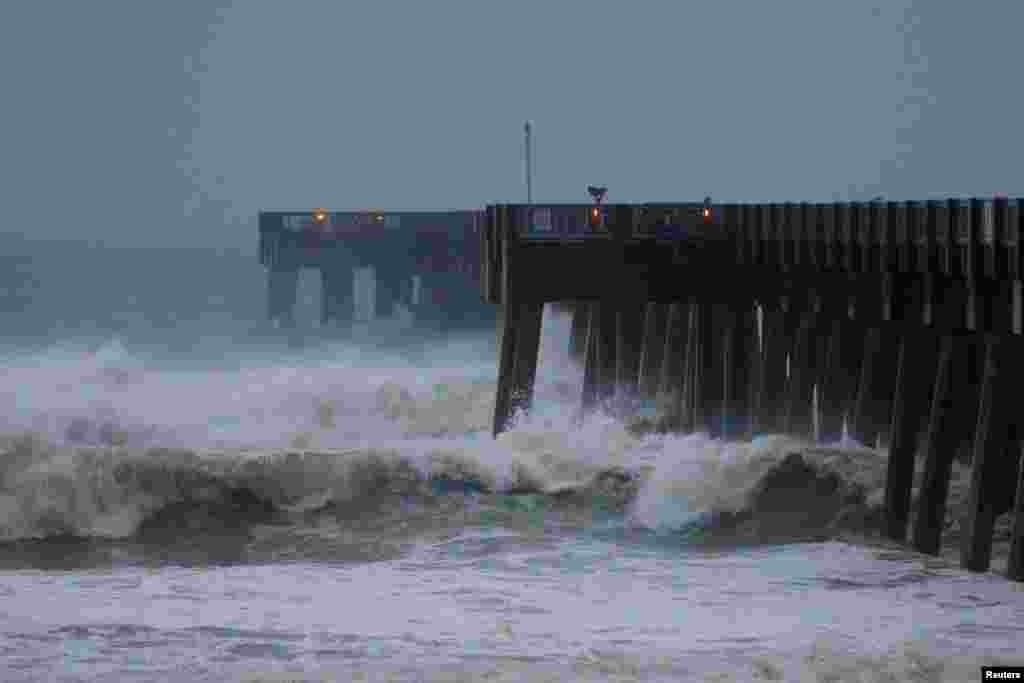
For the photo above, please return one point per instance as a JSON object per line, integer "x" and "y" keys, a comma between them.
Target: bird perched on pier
{"x": 597, "y": 193}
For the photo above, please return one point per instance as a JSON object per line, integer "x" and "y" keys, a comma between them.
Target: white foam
{"x": 341, "y": 407}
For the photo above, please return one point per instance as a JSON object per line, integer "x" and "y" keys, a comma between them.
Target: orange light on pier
{"x": 319, "y": 216}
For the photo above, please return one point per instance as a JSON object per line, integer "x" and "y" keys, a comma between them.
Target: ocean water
{"x": 185, "y": 496}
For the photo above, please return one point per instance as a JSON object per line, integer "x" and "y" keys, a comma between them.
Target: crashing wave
{"x": 49, "y": 490}
{"x": 773, "y": 488}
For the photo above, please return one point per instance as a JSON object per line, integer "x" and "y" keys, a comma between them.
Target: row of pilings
{"x": 801, "y": 365}
{"x": 419, "y": 260}
{"x": 337, "y": 303}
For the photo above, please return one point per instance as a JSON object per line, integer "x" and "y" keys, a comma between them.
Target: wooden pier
{"x": 424, "y": 260}
{"x": 906, "y": 317}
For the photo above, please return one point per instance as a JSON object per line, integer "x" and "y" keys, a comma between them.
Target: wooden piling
{"x": 282, "y": 290}
{"x": 728, "y": 336}
{"x": 884, "y": 385}
{"x": 1015, "y": 565}
{"x": 831, "y": 375}
{"x": 755, "y": 376}
{"x": 862, "y": 425}
{"x": 336, "y": 295}
{"x": 580, "y": 311}
{"x": 939, "y": 454}
{"x": 797, "y": 417}
{"x": 527, "y": 345}
{"x": 694, "y": 374}
{"x": 916, "y": 358}
{"x": 869, "y": 416}
{"x": 607, "y": 331}
{"x": 916, "y": 361}
{"x": 944, "y": 430}
{"x": 591, "y": 394}
{"x": 653, "y": 349}
{"x": 673, "y": 362}
{"x": 740, "y": 334}
{"x": 854, "y": 338}
{"x": 506, "y": 364}
{"x": 991, "y": 449}
{"x": 599, "y": 367}
{"x": 776, "y": 345}
{"x": 712, "y": 377}
{"x": 629, "y": 329}
{"x": 387, "y": 287}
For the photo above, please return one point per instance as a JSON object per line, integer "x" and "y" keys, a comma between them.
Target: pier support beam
{"x": 835, "y": 374}
{"x": 580, "y": 311}
{"x": 282, "y": 290}
{"x": 854, "y": 338}
{"x": 951, "y": 417}
{"x": 336, "y": 295}
{"x": 520, "y": 327}
{"x": 388, "y": 287}
{"x": 711, "y": 371}
{"x": 994, "y": 457}
{"x": 940, "y": 445}
{"x": 1015, "y": 565}
{"x": 599, "y": 363}
{"x": 798, "y": 418}
{"x": 756, "y": 377}
{"x": 591, "y": 392}
{"x": 916, "y": 360}
{"x": 673, "y": 364}
{"x": 527, "y": 348}
{"x": 364, "y": 298}
{"x": 629, "y": 328}
{"x": 739, "y": 356}
{"x": 653, "y": 349}
{"x": 874, "y": 387}
{"x": 776, "y": 345}
{"x": 692, "y": 372}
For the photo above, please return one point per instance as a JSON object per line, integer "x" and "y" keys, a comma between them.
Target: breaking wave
{"x": 103, "y": 444}
{"x": 765, "y": 490}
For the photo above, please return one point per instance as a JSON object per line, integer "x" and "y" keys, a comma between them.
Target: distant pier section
{"x": 895, "y": 322}
{"x": 424, "y": 261}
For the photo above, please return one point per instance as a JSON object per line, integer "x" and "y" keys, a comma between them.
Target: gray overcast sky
{"x": 174, "y": 122}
